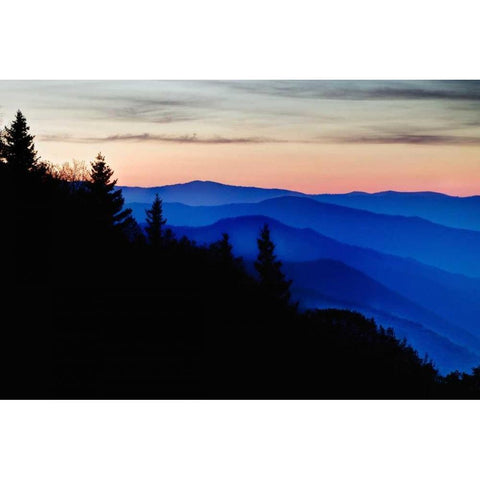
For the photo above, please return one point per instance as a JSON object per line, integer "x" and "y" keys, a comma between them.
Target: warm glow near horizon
{"x": 314, "y": 137}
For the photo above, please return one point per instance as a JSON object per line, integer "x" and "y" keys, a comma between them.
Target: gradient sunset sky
{"x": 311, "y": 136}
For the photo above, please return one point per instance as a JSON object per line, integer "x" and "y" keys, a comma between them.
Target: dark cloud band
{"x": 409, "y": 139}
{"x": 365, "y": 90}
{"x": 146, "y": 137}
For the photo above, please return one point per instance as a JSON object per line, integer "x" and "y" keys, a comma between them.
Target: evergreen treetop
{"x": 155, "y": 222}
{"x": 17, "y": 147}
{"x": 223, "y": 248}
{"x": 272, "y": 279}
{"x": 107, "y": 200}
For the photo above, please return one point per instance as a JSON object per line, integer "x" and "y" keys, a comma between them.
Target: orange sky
{"x": 309, "y": 136}
{"x": 303, "y": 167}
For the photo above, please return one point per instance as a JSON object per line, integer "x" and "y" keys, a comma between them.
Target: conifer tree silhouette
{"x": 107, "y": 201}
{"x": 223, "y": 248}
{"x": 155, "y": 222}
{"x": 17, "y": 147}
{"x": 272, "y": 279}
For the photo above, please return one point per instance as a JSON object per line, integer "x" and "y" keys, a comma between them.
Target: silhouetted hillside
{"x": 327, "y": 283}
{"x": 445, "y": 354}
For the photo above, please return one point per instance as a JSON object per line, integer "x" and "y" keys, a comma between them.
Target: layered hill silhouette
{"x": 445, "y": 303}
{"x": 455, "y": 212}
{"x": 203, "y": 193}
{"x": 454, "y": 250}
{"x": 327, "y": 283}
{"x": 452, "y": 296}
{"x": 447, "y": 355}
{"x": 409, "y": 256}
{"x": 99, "y": 307}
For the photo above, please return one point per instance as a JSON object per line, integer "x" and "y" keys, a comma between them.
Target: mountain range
{"x": 203, "y": 193}
{"x": 454, "y": 250}
{"x": 396, "y": 286}
{"x": 451, "y": 211}
{"x": 401, "y": 258}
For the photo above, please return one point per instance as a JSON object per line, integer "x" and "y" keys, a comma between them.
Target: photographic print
{"x": 267, "y": 239}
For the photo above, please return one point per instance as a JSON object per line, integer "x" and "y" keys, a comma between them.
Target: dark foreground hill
{"x": 327, "y": 283}
{"x": 446, "y": 355}
{"x": 92, "y": 311}
{"x": 194, "y": 328}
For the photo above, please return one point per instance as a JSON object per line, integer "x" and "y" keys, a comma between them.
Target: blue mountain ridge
{"x": 428, "y": 287}
{"x": 455, "y": 212}
{"x": 384, "y": 257}
{"x": 446, "y": 355}
{"x": 452, "y": 211}
{"x": 448, "y": 294}
{"x": 454, "y": 250}
{"x": 203, "y": 193}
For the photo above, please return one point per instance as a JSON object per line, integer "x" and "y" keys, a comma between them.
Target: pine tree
{"x": 18, "y": 148}
{"x": 272, "y": 279}
{"x": 223, "y": 249}
{"x": 107, "y": 201}
{"x": 155, "y": 222}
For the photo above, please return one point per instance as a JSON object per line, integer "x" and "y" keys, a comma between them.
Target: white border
{"x": 237, "y": 40}
{"x": 220, "y": 39}
{"x": 255, "y": 440}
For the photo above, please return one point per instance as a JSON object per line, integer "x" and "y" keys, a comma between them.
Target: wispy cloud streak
{"x": 408, "y": 139}
{"x": 147, "y": 137}
{"x": 366, "y": 90}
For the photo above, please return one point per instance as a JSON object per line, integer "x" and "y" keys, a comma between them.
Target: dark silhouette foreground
{"x": 94, "y": 308}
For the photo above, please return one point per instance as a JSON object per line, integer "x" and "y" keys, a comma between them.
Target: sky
{"x": 310, "y": 136}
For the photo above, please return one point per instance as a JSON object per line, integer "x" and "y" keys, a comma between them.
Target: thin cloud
{"x": 98, "y": 102}
{"x": 150, "y": 115}
{"x": 152, "y": 110}
{"x": 408, "y": 139}
{"x": 362, "y": 90}
{"x": 147, "y": 137}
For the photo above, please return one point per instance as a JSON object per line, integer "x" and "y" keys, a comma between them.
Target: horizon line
{"x": 300, "y": 192}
